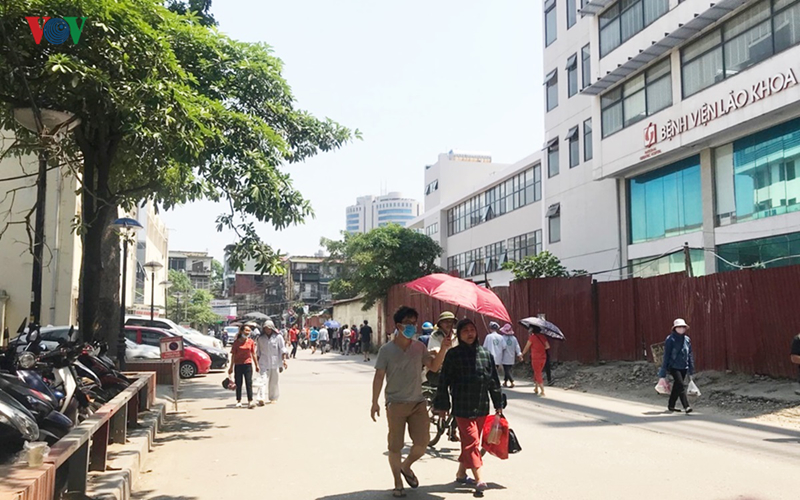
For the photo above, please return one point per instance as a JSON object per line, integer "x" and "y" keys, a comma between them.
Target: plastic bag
{"x": 692, "y": 390}
{"x": 36, "y": 452}
{"x": 663, "y": 387}
{"x": 499, "y": 449}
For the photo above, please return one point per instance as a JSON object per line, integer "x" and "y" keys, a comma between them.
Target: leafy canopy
{"x": 542, "y": 265}
{"x": 379, "y": 259}
{"x": 194, "y": 305}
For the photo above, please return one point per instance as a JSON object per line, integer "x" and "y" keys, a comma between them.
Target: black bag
{"x": 513, "y": 443}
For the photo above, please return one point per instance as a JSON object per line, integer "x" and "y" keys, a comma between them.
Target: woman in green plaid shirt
{"x": 469, "y": 376}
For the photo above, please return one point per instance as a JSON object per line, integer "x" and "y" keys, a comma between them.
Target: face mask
{"x": 409, "y": 331}
{"x": 681, "y": 329}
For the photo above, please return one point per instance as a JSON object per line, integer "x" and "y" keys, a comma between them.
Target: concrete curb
{"x": 126, "y": 462}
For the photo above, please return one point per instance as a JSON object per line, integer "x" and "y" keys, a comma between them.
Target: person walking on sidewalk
{"x": 678, "y": 362}
{"x": 538, "y": 345}
{"x": 469, "y": 376}
{"x": 511, "y": 354}
{"x": 313, "y": 337}
{"x": 345, "y": 350}
{"x": 400, "y": 363}
{"x": 271, "y": 356}
{"x": 366, "y": 339}
{"x": 243, "y": 359}
{"x": 494, "y": 343}
{"x": 293, "y": 339}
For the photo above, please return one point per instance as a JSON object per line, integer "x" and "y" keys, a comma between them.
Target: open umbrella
{"x": 545, "y": 326}
{"x": 256, "y": 315}
{"x": 462, "y": 293}
{"x": 332, "y": 324}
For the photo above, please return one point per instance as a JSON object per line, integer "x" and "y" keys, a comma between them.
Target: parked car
{"x": 194, "y": 360}
{"x": 135, "y": 351}
{"x": 231, "y": 331}
{"x": 50, "y": 337}
{"x": 176, "y": 329}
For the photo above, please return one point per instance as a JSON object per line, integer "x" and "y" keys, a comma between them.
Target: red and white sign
{"x": 171, "y": 347}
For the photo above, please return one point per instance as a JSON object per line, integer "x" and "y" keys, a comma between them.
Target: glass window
{"x": 768, "y": 252}
{"x": 625, "y": 19}
{"x": 673, "y": 263}
{"x": 572, "y": 13}
{"x": 665, "y": 202}
{"x": 552, "y": 160}
{"x": 643, "y": 95}
{"x": 574, "y": 148}
{"x": 552, "y": 91}
{"x": 587, "y": 140}
{"x": 756, "y": 175}
{"x": 572, "y": 75}
{"x": 550, "y": 23}
{"x": 586, "y": 67}
{"x": 554, "y": 228}
{"x": 786, "y": 27}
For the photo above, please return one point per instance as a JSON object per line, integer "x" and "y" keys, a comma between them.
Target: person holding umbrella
{"x": 469, "y": 376}
{"x": 679, "y": 362}
{"x": 538, "y": 345}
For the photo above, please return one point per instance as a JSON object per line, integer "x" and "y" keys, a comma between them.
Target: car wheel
{"x": 188, "y": 369}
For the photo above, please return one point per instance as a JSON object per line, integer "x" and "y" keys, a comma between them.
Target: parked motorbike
{"x": 17, "y": 425}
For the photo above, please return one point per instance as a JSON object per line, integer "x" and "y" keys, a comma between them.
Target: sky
{"x": 417, "y": 78}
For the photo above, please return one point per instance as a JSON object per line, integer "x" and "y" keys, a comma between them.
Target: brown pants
{"x": 413, "y": 414}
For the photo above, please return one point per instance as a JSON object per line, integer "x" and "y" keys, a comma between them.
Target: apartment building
{"x": 370, "y": 212}
{"x": 196, "y": 265}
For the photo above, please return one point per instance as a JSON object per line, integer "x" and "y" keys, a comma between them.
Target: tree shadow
{"x": 179, "y": 428}
{"x": 149, "y": 495}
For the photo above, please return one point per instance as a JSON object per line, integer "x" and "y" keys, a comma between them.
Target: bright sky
{"x": 418, "y": 78}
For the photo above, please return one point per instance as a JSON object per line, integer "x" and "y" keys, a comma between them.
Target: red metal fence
{"x": 742, "y": 321}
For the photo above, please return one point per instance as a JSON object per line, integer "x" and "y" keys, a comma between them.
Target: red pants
{"x": 538, "y": 365}
{"x": 470, "y": 430}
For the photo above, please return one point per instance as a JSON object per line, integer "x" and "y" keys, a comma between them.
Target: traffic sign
{"x": 171, "y": 347}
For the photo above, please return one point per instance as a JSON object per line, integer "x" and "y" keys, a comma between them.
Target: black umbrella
{"x": 545, "y": 326}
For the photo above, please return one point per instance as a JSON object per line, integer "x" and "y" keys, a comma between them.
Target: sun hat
{"x": 679, "y": 322}
{"x": 494, "y": 325}
{"x": 507, "y": 329}
{"x": 445, "y": 315}
{"x": 269, "y": 325}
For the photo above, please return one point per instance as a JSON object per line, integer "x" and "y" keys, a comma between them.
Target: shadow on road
{"x": 422, "y": 493}
{"x": 178, "y": 428}
{"x": 141, "y": 495}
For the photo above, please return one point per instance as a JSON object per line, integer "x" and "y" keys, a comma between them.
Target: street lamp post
{"x": 125, "y": 225}
{"x": 48, "y": 124}
{"x": 153, "y": 266}
{"x": 178, "y": 296}
{"x": 166, "y": 284}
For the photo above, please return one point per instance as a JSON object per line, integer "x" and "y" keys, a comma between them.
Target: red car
{"x": 193, "y": 362}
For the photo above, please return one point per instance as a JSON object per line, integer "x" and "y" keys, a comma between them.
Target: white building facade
{"x": 370, "y": 212}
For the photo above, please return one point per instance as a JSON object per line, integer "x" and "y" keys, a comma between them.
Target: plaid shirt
{"x": 470, "y": 375}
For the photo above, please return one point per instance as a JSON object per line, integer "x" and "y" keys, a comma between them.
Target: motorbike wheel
{"x": 188, "y": 369}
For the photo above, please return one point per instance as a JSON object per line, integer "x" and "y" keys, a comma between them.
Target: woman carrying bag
{"x": 469, "y": 376}
{"x": 243, "y": 354}
{"x": 678, "y": 362}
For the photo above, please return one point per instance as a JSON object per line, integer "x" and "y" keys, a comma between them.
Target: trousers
{"x": 470, "y": 430}
{"x": 294, "y": 349}
{"x": 269, "y": 385}
{"x": 243, "y": 372}
{"x": 678, "y": 388}
{"x": 507, "y": 375}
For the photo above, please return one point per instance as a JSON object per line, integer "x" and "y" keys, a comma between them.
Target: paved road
{"x": 318, "y": 442}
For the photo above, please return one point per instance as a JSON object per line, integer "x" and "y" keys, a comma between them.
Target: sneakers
{"x": 238, "y": 404}
{"x": 678, "y": 410}
{"x": 251, "y": 405}
{"x": 689, "y": 410}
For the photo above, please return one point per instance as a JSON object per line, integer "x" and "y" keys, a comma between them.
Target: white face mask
{"x": 681, "y": 329}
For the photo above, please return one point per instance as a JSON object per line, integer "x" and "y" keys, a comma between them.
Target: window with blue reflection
{"x": 774, "y": 251}
{"x": 666, "y": 202}
{"x": 765, "y": 172}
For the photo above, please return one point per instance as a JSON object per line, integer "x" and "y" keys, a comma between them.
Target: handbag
{"x": 513, "y": 442}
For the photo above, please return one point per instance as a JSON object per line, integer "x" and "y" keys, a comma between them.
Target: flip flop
{"x": 411, "y": 480}
{"x": 466, "y": 480}
{"x": 398, "y": 493}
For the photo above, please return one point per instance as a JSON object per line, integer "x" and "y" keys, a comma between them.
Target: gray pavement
{"x": 318, "y": 442}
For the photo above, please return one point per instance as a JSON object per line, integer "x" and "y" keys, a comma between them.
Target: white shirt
{"x": 271, "y": 349}
{"x": 494, "y": 344}
{"x": 323, "y": 335}
{"x": 511, "y": 350}
{"x": 435, "y": 342}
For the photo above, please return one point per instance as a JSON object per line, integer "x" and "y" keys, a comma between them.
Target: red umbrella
{"x": 462, "y": 293}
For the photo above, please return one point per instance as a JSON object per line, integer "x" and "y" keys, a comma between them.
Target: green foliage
{"x": 171, "y": 111}
{"x": 200, "y": 8}
{"x": 542, "y": 265}
{"x": 217, "y": 278}
{"x": 194, "y": 305}
{"x": 379, "y": 259}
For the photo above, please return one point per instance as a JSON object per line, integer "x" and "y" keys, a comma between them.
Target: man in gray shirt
{"x": 400, "y": 362}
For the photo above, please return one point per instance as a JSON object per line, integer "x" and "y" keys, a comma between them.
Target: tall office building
{"x": 370, "y": 212}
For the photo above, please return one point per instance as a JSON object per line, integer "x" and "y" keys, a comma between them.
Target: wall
{"x": 742, "y": 321}
{"x": 62, "y": 247}
{"x": 350, "y": 312}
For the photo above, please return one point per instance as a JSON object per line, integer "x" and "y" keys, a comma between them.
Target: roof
{"x": 347, "y": 301}
{"x": 177, "y": 253}
{"x": 658, "y": 48}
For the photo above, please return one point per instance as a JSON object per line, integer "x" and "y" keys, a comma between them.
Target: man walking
{"x": 323, "y": 338}
{"x": 400, "y": 363}
{"x": 271, "y": 356}
{"x": 366, "y": 339}
{"x": 293, "y": 333}
{"x": 494, "y": 343}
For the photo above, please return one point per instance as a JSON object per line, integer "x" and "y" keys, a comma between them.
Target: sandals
{"x": 412, "y": 480}
{"x": 466, "y": 480}
{"x": 398, "y": 493}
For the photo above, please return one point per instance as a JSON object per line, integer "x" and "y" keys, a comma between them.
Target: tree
{"x": 171, "y": 111}
{"x": 377, "y": 260}
{"x": 195, "y": 305}
{"x": 217, "y": 278}
{"x": 542, "y": 265}
{"x": 199, "y": 8}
